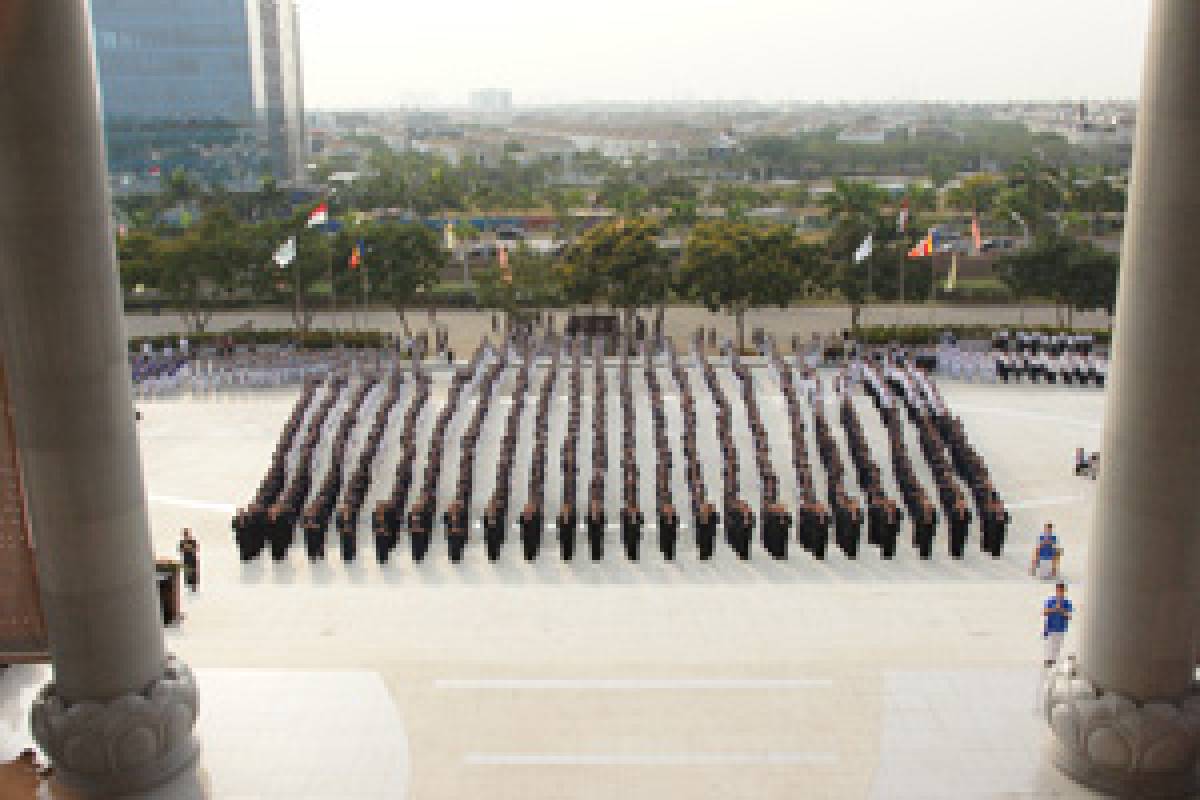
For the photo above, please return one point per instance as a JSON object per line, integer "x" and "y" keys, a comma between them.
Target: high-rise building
{"x": 494, "y": 100}
{"x": 210, "y": 85}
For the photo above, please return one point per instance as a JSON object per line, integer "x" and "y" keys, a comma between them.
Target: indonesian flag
{"x": 319, "y": 216}
{"x": 902, "y": 220}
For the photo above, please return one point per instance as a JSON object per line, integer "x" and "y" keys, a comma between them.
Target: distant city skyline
{"x": 378, "y": 54}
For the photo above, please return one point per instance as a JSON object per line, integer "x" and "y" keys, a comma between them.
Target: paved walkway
{"x": 651, "y": 680}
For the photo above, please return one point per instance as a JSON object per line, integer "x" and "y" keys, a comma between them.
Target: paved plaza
{"x": 720, "y": 679}
{"x": 467, "y": 327}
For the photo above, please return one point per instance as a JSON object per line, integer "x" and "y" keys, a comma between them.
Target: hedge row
{"x": 917, "y": 335}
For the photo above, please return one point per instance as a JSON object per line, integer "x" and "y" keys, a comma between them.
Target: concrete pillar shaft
{"x": 63, "y": 332}
{"x": 1139, "y": 636}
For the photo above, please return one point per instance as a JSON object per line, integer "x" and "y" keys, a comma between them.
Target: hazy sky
{"x": 392, "y": 52}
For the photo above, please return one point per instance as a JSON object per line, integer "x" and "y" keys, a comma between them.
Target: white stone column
{"x": 1125, "y": 715}
{"x": 119, "y": 714}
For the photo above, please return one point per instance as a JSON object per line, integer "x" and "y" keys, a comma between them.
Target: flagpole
{"x": 333, "y": 294}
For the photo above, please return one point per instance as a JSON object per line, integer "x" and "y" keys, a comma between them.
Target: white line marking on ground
{"x": 1044, "y": 502}
{"x": 632, "y": 684}
{"x": 198, "y": 505}
{"x": 648, "y": 759}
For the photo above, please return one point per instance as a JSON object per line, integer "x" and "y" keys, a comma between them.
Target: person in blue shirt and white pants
{"x": 1056, "y": 616}
{"x": 1046, "y": 555}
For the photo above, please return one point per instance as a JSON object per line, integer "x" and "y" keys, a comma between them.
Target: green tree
{"x": 976, "y": 193}
{"x": 200, "y": 269}
{"x": 400, "y": 259}
{"x": 138, "y": 260}
{"x": 620, "y": 262}
{"x": 734, "y": 267}
{"x": 854, "y": 200}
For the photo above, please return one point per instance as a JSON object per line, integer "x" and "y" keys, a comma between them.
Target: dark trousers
{"x": 666, "y": 543}
{"x": 279, "y": 546}
{"x": 923, "y": 539}
{"x": 349, "y": 544}
{"x": 958, "y": 541}
{"x": 419, "y": 542}
{"x": 493, "y": 542}
{"x": 633, "y": 544}
{"x": 820, "y": 544}
{"x": 314, "y": 543}
{"x": 456, "y": 544}
{"x": 887, "y": 544}
{"x": 566, "y": 544}
{"x": 596, "y": 545}
{"x": 382, "y": 549}
{"x": 531, "y": 543}
{"x": 191, "y": 572}
{"x": 705, "y": 543}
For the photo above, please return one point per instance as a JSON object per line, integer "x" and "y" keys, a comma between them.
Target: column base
{"x": 133, "y": 743}
{"x": 1115, "y": 745}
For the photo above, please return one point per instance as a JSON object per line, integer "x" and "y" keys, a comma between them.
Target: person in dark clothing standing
{"x": 668, "y": 531}
{"x": 566, "y": 531}
{"x": 455, "y": 520}
{"x": 493, "y": 530}
{"x": 531, "y": 531}
{"x": 383, "y": 537}
{"x": 347, "y": 534}
{"x": 706, "y": 530}
{"x": 189, "y": 551}
{"x": 418, "y": 534}
{"x": 596, "y": 523}
{"x": 632, "y": 521}
{"x": 960, "y": 524}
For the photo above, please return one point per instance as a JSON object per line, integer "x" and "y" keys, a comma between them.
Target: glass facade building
{"x": 210, "y": 85}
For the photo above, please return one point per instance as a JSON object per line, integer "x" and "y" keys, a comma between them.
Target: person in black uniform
{"x": 995, "y": 520}
{"x": 743, "y": 529}
{"x": 596, "y": 523}
{"x": 243, "y": 536}
{"x": 668, "y": 531}
{"x": 777, "y": 528}
{"x": 960, "y": 523}
{"x": 314, "y": 534}
{"x": 631, "y": 530}
{"x": 706, "y": 530}
{"x": 924, "y": 528}
{"x": 892, "y": 515}
{"x": 455, "y": 520}
{"x": 347, "y": 534}
{"x": 418, "y": 534}
{"x": 818, "y": 520}
{"x": 531, "y": 531}
{"x": 566, "y": 531}
{"x": 189, "y": 551}
{"x": 493, "y": 530}
{"x": 384, "y": 538}
{"x": 848, "y": 520}
{"x": 280, "y": 532}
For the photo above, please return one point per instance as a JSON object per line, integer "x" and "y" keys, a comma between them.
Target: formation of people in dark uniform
{"x": 288, "y": 500}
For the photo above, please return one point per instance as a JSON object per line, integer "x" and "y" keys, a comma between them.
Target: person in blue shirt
{"x": 1056, "y": 616}
{"x": 1046, "y": 554}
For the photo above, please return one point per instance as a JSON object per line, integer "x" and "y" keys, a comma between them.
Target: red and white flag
{"x": 319, "y": 216}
